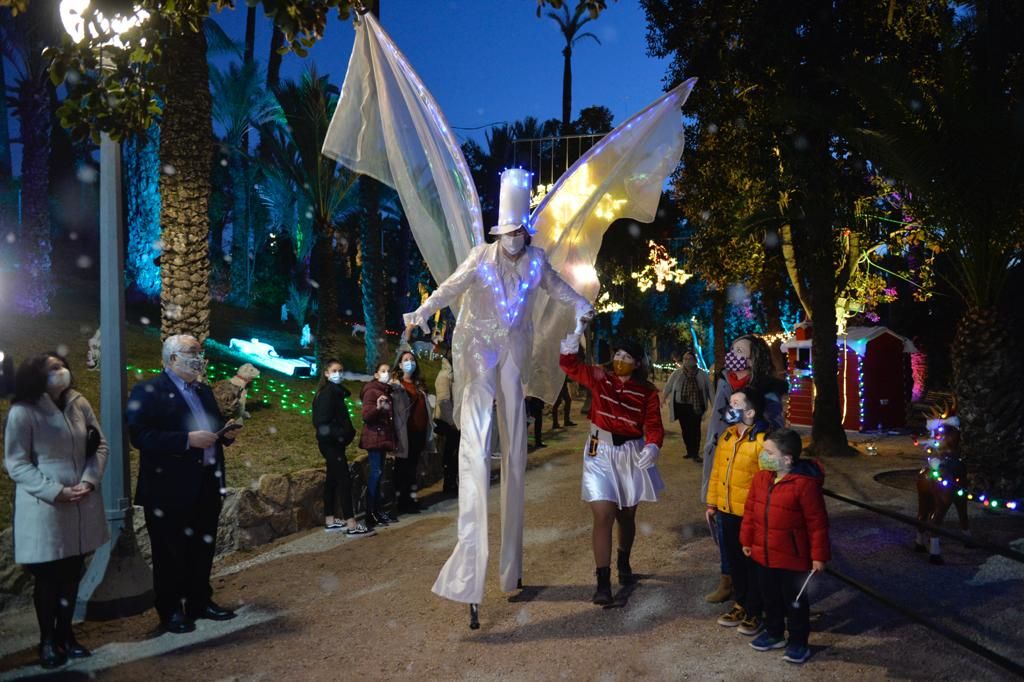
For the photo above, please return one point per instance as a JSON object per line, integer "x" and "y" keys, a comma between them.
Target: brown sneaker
{"x": 733, "y": 618}
{"x": 751, "y": 626}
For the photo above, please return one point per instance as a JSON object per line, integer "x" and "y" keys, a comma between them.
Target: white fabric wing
{"x": 620, "y": 177}
{"x": 388, "y": 126}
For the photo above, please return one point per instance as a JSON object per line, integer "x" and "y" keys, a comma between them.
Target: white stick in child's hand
{"x": 796, "y": 602}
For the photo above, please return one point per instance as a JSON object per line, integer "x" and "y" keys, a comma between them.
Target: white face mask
{"x": 59, "y": 379}
{"x": 513, "y": 244}
{"x": 334, "y": 377}
{"x": 384, "y": 377}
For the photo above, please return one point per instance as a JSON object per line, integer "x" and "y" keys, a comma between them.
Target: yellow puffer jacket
{"x": 734, "y": 467}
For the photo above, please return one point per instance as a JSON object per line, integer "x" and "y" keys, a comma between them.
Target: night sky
{"x": 487, "y": 61}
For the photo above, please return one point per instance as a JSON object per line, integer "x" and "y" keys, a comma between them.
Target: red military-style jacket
{"x": 625, "y": 408}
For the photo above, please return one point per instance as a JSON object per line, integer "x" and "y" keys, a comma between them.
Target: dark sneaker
{"x": 733, "y": 618}
{"x": 360, "y": 529}
{"x": 767, "y": 642}
{"x": 797, "y": 653}
{"x": 751, "y": 625}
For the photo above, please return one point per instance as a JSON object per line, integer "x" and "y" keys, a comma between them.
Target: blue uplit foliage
{"x": 142, "y": 194}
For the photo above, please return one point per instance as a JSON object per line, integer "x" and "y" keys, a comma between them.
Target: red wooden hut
{"x": 872, "y": 383}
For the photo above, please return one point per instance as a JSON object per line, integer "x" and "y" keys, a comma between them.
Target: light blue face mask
{"x": 409, "y": 366}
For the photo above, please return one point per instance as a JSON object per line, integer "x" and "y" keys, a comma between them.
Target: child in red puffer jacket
{"x": 785, "y": 531}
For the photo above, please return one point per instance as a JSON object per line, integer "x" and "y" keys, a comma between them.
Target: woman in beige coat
{"x": 55, "y": 453}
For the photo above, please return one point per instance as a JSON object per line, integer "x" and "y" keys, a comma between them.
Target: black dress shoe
{"x": 74, "y": 649}
{"x": 178, "y": 624}
{"x": 214, "y": 612}
{"x": 51, "y": 656}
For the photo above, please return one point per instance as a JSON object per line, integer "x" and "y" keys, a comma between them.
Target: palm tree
{"x": 570, "y": 25}
{"x": 957, "y": 145}
{"x": 322, "y": 187}
{"x": 24, "y": 38}
{"x": 241, "y": 103}
{"x": 142, "y": 203}
{"x": 8, "y": 199}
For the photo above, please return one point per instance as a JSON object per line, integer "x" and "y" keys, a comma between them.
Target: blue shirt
{"x": 202, "y": 420}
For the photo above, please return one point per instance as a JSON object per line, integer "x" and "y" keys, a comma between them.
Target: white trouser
{"x": 462, "y": 578}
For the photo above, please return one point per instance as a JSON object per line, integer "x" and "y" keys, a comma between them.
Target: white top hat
{"x": 514, "y": 202}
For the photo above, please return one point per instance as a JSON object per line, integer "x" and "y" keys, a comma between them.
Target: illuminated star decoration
{"x": 605, "y": 304}
{"x": 660, "y": 270}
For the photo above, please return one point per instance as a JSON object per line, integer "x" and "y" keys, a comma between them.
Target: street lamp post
{"x": 118, "y": 582}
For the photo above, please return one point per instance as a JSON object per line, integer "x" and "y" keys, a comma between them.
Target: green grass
{"x": 278, "y": 439}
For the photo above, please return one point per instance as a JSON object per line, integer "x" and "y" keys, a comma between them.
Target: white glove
{"x": 583, "y": 320}
{"x": 647, "y": 457}
{"x": 416, "y": 318}
{"x": 570, "y": 344}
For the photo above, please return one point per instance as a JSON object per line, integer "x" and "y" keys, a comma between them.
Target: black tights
{"x": 605, "y": 516}
{"x": 55, "y": 595}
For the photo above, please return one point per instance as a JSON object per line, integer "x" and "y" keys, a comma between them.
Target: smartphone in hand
{"x": 229, "y": 429}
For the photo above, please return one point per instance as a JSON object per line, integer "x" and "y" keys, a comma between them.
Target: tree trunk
{"x": 34, "y": 283}
{"x": 186, "y": 151}
{"x": 248, "y": 56}
{"x": 566, "y": 89}
{"x": 372, "y": 284}
{"x": 328, "y": 329}
{"x": 718, "y": 301}
{"x": 987, "y": 368}
{"x": 274, "y": 59}
{"x": 8, "y": 197}
{"x": 142, "y": 199}
{"x": 240, "y": 226}
{"x": 403, "y": 258}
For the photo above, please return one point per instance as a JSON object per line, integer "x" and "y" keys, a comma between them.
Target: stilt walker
{"x": 491, "y": 348}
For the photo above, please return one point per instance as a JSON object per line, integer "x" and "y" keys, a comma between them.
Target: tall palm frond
{"x": 241, "y": 101}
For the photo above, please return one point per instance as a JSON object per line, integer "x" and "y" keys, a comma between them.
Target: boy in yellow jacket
{"x": 736, "y": 462}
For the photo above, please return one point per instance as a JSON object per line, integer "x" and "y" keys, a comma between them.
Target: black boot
{"x": 626, "y": 576}
{"x": 51, "y": 656}
{"x": 603, "y": 594}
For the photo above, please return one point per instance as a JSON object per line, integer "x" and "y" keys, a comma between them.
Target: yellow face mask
{"x": 623, "y": 368}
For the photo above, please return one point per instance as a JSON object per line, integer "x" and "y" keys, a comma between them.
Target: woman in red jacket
{"x": 625, "y": 440}
{"x": 785, "y": 531}
{"x": 378, "y": 438}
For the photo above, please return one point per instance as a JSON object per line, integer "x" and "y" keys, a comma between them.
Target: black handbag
{"x": 92, "y": 441}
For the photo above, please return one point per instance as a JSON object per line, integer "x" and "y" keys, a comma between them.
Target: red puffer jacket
{"x": 785, "y": 524}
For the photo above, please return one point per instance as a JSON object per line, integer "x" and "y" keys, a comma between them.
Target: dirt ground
{"x": 320, "y": 606}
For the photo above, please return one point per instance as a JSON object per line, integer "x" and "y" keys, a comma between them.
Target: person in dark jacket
{"x": 378, "y": 438}
{"x": 175, "y": 424}
{"x": 414, "y": 433}
{"x": 334, "y": 431}
{"x": 785, "y": 532}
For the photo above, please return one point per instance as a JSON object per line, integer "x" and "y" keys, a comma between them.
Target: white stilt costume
{"x": 491, "y": 350}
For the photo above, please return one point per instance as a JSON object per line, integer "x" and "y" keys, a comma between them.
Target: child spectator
{"x": 785, "y": 532}
{"x": 736, "y": 462}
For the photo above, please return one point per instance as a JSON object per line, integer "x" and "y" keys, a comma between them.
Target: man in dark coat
{"x": 174, "y": 423}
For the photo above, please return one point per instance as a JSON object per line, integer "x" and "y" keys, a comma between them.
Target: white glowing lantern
{"x": 72, "y": 15}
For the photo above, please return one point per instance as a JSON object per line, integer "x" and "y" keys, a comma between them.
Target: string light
{"x": 660, "y": 270}
{"x": 605, "y": 304}
{"x": 510, "y": 310}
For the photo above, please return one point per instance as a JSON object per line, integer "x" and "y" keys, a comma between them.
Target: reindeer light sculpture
{"x": 940, "y": 483}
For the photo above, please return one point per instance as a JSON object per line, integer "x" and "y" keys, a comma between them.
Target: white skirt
{"x": 611, "y": 475}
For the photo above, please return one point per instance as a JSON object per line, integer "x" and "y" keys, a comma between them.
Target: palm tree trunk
{"x": 239, "y": 231}
{"x": 987, "y": 367}
{"x": 328, "y": 328}
{"x": 8, "y": 199}
{"x": 566, "y": 89}
{"x": 274, "y": 59}
{"x": 34, "y": 279}
{"x": 372, "y": 276}
{"x": 142, "y": 198}
{"x": 186, "y": 151}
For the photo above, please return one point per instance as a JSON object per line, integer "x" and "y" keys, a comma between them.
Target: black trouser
{"x": 406, "y": 470}
{"x": 535, "y": 409}
{"x": 450, "y": 455}
{"x": 183, "y": 543}
{"x": 744, "y": 575}
{"x": 689, "y": 423}
{"x": 565, "y": 400}
{"x": 337, "y": 485}
{"x": 55, "y": 594}
{"x": 779, "y": 588}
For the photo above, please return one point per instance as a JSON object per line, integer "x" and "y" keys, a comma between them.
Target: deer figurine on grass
{"x": 940, "y": 483}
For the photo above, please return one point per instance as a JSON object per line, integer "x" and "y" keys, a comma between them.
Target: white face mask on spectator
{"x": 59, "y": 379}
{"x": 384, "y": 377}
{"x": 334, "y": 377}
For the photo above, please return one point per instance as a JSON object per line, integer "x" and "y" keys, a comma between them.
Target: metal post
{"x": 118, "y": 582}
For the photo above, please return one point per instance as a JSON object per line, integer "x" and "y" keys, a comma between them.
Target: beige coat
{"x": 444, "y": 408}
{"x": 44, "y": 451}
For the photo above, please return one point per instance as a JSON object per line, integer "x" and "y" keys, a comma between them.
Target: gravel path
{"x": 324, "y": 607}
